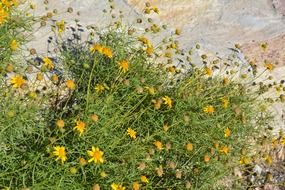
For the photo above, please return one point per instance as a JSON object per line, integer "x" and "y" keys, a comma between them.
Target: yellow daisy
{"x": 226, "y": 102}
{"x": 144, "y": 179}
{"x": 99, "y": 88}
{"x": 189, "y": 147}
{"x": 107, "y": 52}
{"x": 136, "y": 186}
{"x": 59, "y": 151}
{"x": 132, "y": 133}
{"x": 70, "y": 84}
{"x": 115, "y": 186}
{"x": 158, "y": 145}
{"x": 207, "y": 158}
{"x": 80, "y": 127}
{"x": 225, "y": 150}
{"x": 227, "y": 132}
{"x": 3, "y": 15}
{"x": 124, "y": 65}
{"x": 96, "y": 47}
{"x": 96, "y": 155}
{"x": 17, "y": 81}
{"x": 269, "y": 66}
{"x": 209, "y": 109}
{"x": 48, "y": 63}
{"x": 167, "y": 101}
{"x": 14, "y": 45}
{"x": 208, "y": 71}
{"x": 244, "y": 160}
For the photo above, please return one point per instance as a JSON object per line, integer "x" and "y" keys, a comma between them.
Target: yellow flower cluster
{"x": 102, "y": 50}
{"x": 149, "y": 47}
{"x": 5, "y": 6}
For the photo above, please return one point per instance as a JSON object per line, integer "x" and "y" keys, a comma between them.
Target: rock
{"x": 272, "y": 187}
{"x": 279, "y": 5}
{"x": 274, "y": 53}
{"x": 257, "y": 169}
{"x": 219, "y": 24}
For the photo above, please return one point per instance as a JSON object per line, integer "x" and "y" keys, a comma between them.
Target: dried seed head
{"x": 70, "y": 10}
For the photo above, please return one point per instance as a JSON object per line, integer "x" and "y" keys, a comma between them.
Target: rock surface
{"x": 215, "y": 24}
{"x": 219, "y": 24}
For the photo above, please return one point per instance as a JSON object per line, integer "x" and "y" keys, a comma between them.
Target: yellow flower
{"x": 82, "y": 161}
{"x": 99, "y": 88}
{"x": 225, "y": 150}
{"x": 132, "y": 133}
{"x": 149, "y": 50}
{"x": 244, "y": 160}
{"x": 70, "y": 84}
{"x": 96, "y": 155}
{"x": 150, "y": 90}
{"x": 117, "y": 186}
{"x": 3, "y": 15}
{"x": 155, "y": 9}
{"x": 107, "y": 52}
{"x": 17, "y": 81}
{"x": 40, "y": 76}
{"x": 5, "y": 3}
{"x": 80, "y": 127}
{"x": 207, "y": 158}
{"x": 269, "y": 66}
{"x": 227, "y": 132}
{"x": 167, "y": 101}
{"x": 9, "y": 3}
{"x": 208, "y": 71}
{"x": 209, "y": 109}
{"x": 60, "y": 26}
{"x": 14, "y": 45}
{"x": 96, "y": 47}
{"x": 59, "y": 151}
{"x": 158, "y": 145}
{"x": 226, "y": 102}
{"x": 60, "y": 123}
{"x": 48, "y": 63}
{"x": 124, "y": 65}
{"x": 136, "y": 186}
{"x": 171, "y": 69}
{"x": 144, "y": 40}
{"x": 189, "y": 147}
{"x": 144, "y": 179}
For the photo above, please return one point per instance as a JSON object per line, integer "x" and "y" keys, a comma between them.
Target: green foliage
{"x": 187, "y": 134}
